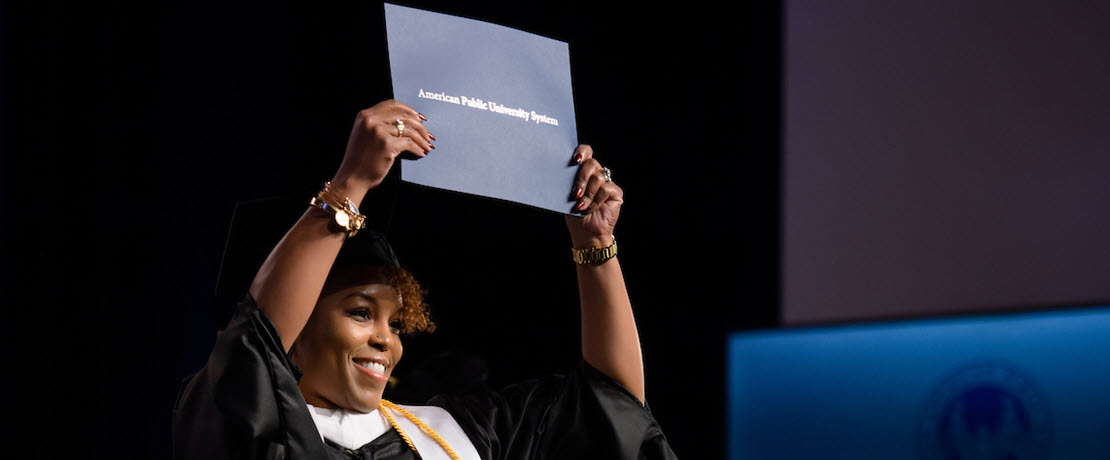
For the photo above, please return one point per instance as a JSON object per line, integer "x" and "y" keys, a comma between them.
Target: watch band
{"x": 591, "y": 256}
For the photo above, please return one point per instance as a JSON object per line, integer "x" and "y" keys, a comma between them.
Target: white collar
{"x": 353, "y": 430}
{"x": 348, "y": 429}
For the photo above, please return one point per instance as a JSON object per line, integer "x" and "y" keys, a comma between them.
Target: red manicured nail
{"x": 432, "y": 146}
{"x": 578, "y": 193}
{"x": 431, "y": 136}
{"x": 422, "y": 117}
{"x": 578, "y": 158}
{"x": 581, "y": 205}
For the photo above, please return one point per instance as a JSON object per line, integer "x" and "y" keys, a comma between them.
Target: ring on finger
{"x": 400, "y": 124}
{"x": 607, "y": 174}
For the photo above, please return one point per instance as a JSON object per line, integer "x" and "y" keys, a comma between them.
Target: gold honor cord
{"x": 423, "y": 427}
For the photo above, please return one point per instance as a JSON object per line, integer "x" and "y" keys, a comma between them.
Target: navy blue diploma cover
{"x": 498, "y": 100}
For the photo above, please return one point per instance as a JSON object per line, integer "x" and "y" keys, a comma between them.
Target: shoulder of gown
{"x": 244, "y": 402}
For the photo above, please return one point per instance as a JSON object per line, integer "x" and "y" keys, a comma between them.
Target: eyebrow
{"x": 374, "y": 301}
{"x": 363, "y": 295}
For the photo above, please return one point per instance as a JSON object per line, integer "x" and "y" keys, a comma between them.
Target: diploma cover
{"x": 498, "y": 100}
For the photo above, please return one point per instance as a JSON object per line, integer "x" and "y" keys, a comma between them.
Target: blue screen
{"x": 1010, "y": 386}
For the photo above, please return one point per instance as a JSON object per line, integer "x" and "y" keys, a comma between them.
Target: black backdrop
{"x": 130, "y": 130}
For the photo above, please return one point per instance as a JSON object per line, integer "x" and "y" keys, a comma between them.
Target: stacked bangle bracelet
{"x": 345, "y": 213}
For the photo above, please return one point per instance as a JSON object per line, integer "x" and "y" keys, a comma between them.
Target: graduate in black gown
{"x": 301, "y": 368}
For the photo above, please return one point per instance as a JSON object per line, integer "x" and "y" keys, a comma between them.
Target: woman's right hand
{"x": 376, "y": 142}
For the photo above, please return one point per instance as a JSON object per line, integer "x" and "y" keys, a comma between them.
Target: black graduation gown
{"x": 245, "y": 404}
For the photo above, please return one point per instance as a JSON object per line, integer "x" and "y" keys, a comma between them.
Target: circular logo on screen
{"x": 985, "y": 411}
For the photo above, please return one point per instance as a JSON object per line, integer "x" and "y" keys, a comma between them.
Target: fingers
{"x": 590, "y": 192}
{"x": 582, "y": 153}
{"x": 590, "y": 185}
{"x": 415, "y": 131}
{"x": 410, "y": 135}
{"x": 588, "y": 169}
{"x": 396, "y": 145}
{"x": 407, "y": 144}
{"x": 406, "y": 110}
{"x": 599, "y": 192}
{"x": 606, "y": 193}
{"x": 414, "y": 124}
{"x": 391, "y": 109}
{"x": 415, "y": 127}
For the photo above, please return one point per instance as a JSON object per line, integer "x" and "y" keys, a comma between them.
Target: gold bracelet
{"x": 594, "y": 255}
{"x": 345, "y": 213}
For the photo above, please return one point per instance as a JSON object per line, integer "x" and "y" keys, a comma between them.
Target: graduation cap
{"x": 257, "y": 226}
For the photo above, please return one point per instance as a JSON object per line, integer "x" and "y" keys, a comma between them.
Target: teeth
{"x": 372, "y": 366}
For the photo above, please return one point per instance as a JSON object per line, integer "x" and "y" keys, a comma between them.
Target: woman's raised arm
{"x": 610, "y": 341}
{"x": 289, "y": 282}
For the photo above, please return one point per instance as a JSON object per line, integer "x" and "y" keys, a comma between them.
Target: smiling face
{"x": 349, "y": 347}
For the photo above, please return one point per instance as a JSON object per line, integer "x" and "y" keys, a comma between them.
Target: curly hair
{"x": 415, "y": 316}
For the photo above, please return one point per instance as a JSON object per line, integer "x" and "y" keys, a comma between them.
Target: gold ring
{"x": 400, "y": 124}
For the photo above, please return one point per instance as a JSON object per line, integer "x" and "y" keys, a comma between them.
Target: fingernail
{"x": 432, "y": 146}
{"x": 578, "y": 193}
{"x": 431, "y": 136}
{"x": 581, "y": 205}
{"x": 422, "y": 117}
{"x": 578, "y": 158}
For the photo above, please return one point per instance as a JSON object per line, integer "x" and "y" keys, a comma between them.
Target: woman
{"x": 301, "y": 369}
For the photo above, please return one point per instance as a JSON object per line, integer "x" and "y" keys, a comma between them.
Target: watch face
{"x": 342, "y": 219}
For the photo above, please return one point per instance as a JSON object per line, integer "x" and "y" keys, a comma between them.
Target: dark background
{"x": 130, "y": 130}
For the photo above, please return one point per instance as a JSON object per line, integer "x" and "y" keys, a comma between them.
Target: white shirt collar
{"x": 353, "y": 430}
{"x": 348, "y": 429}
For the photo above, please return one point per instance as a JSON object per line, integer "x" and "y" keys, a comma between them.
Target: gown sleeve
{"x": 244, "y": 403}
{"x": 583, "y": 415}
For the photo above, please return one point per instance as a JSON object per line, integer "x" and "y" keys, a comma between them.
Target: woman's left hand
{"x": 599, "y": 200}
{"x": 610, "y": 342}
